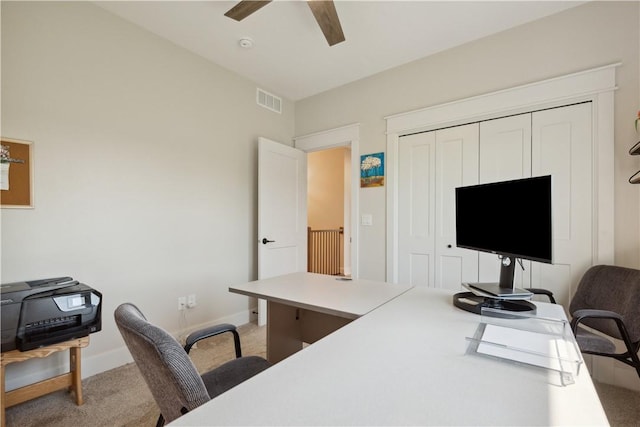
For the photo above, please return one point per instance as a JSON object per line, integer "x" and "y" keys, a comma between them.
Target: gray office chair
{"x": 608, "y": 300}
{"x": 168, "y": 370}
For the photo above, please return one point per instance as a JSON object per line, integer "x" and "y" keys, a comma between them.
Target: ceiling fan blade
{"x": 245, "y": 8}
{"x": 327, "y": 18}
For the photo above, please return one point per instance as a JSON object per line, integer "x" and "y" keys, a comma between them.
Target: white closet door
{"x": 416, "y": 209}
{"x": 456, "y": 166}
{"x": 562, "y": 147}
{"x": 505, "y": 154}
{"x": 433, "y": 164}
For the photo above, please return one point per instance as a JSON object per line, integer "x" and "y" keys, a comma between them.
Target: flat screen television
{"x": 512, "y": 219}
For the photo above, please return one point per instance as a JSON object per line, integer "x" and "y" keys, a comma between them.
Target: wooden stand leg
{"x": 76, "y": 373}
{"x": 2, "y": 413}
{"x": 71, "y": 380}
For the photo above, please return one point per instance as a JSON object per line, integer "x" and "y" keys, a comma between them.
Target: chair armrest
{"x": 212, "y": 331}
{"x": 631, "y": 355}
{"x": 540, "y": 291}
{"x": 579, "y": 315}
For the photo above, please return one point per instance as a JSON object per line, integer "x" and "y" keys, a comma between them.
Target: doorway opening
{"x": 347, "y": 137}
{"x": 329, "y": 211}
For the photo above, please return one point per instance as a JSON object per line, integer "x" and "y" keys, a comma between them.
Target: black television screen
{"x": 510, "y": 218}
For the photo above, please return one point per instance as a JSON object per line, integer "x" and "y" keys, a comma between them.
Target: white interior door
{"x": 282, "y": 212}
{"x": 505, "y": 154}
{"x": 431, "y": 166}
{"x": 456, "y": 166}
{"x": 553, "y": 142}
{"x": 561, "y": 147}
{"x": 416, "y": 209}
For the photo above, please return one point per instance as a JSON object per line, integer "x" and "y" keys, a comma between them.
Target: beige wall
{"x": 325, "y": 189}
{"x": 145, "y": 155}
{"x": 583, "y": 37}
{"x": 145, "y": 168}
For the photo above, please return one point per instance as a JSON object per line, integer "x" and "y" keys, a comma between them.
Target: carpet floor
{"x": 120, "y": 397}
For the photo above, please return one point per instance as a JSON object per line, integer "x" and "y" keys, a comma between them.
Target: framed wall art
{"x": 16, "y": 173}
{"x": 372, "y": 170}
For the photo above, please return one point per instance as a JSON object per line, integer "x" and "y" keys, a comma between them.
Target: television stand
{"x": 473, "y": 303}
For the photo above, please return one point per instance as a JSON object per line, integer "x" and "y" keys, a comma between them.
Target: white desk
{"x": 305, "y": 307}
{"x": 403, "y": 363}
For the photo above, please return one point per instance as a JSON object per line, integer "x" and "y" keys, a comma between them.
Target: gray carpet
{"x": 120, "y": 397}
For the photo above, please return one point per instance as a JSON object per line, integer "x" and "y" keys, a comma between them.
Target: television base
{"x": 473, "y": 303}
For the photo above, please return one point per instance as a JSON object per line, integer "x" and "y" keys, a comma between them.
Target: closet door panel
{"x": 505, "y": 148}
{"x": 456, "y": 166}
{"x": 416, "y": 209}
{"x": 420, "y": 269}
{"x": 562, "y": 147}
{"x": 505, "y": 154}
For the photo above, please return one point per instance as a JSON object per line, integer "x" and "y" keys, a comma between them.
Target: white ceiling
{"x": 290, "y": 56}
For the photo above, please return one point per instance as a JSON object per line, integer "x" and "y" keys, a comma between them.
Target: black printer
{"x": 48, "y": 311}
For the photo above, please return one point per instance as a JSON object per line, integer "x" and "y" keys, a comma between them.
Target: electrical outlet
{"x": 191, "y": 301}
{"x": 182, "y": 303}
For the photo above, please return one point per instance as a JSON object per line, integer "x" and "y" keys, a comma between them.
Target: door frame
{"x": 344, "y": 136}
{"x": 596, "y": 85}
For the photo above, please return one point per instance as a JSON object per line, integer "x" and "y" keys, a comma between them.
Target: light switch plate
{"x": 366, "y": 219}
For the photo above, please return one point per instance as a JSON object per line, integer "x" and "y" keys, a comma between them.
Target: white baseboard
{"x": 609, "y": 371}
{"x": 34, "y": 370}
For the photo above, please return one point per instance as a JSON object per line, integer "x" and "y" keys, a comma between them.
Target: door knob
{"x": 265, "y": 241}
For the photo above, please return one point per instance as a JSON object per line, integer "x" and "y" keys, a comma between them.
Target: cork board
{"x": 17, "y": 183}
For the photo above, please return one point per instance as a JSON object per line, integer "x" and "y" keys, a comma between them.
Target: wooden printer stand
{"x": 71, "y": 380}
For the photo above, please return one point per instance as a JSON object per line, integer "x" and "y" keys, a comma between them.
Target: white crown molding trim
{"x": 556, "y": 91}
{"x": 596, "y": 85}
{"x": 336, "y": 137}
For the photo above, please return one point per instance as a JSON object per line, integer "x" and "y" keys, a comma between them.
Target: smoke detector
{"x": 246, "y": 42}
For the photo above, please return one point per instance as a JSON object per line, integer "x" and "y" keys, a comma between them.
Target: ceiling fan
{"x": 324, "y": 12}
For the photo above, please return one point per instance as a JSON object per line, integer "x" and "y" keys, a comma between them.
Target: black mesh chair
{"x": 166, "y": 367}
{"x": 608, "y": 301}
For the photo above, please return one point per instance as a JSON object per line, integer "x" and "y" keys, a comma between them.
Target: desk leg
{"x": 316, "y": 326}
{"x": 284, "y": 336}
{"x": 76, "y": 373}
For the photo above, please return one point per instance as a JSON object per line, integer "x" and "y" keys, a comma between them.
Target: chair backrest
{"x": 167, "y": 369}
{"x": 613, "y": 288}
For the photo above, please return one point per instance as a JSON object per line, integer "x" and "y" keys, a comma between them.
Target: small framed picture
{"x": 372, "y": 170}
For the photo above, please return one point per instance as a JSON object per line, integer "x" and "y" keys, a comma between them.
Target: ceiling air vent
{"x": 269, "y": 101}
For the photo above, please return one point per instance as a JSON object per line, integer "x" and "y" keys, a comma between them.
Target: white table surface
{"x": 404, "y": 364}
{"x": 323, "y": 293}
